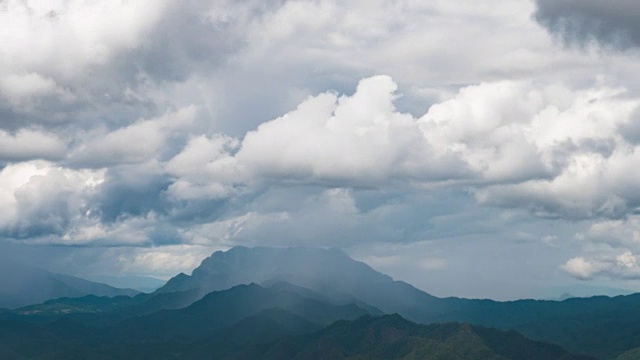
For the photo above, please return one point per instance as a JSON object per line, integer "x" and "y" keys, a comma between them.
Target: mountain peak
{"x": 330, "y": 272}
{"x": 237, "y": 251}
{"x": 297, "y": 265}
{"x": 23, "y": 285}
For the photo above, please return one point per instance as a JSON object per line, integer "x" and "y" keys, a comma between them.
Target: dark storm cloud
{"x": 131, "y": 191}
{"x": 42, "y": 212}
{"x": 184, "y": 43}
{"x": 164, "y": 234}
{"x": 631, "y": 129}
{"x": 611, "y": 23}
{"x": 189, "y": 40}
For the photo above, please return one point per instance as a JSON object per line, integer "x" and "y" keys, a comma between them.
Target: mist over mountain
{"x": 326, "y": 271}
{"x": 242, "y": 265}
{"x": 22, "y": 285}
{"x": 140, "y": 283}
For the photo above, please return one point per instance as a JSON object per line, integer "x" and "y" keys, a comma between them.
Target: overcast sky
{"x": 472, "y": 148}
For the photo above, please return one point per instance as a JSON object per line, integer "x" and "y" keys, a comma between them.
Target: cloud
{"x": 268, "y": 122}
{"x": 492, "y": 127}
{"x": 13, "y": 177}
{"x": 342, "y": 217}
{"x": 302, "y": 218}
{"x": 30, "y": 145}
{"x": 166, "y": 261}
{"x": 360, "y": 138}
{"x": 581, "y": 268}
{"x": 512, "y": 144}
{"x": 90, "y": 231}
{"x": 618, "y": 233}
{"x": 380, "y": 35}
{"x": 310, "y": 47}
{"x": 88, "y": 63}
{"x": 357, "y": 140}
{"x": 144, "y": 140}
{"x": 394, "y": 256}
{"x": 22, "y": 89}
{"x": 205, "y": 168}
{"x": 80, "y": 32}
{"x": 483, "y": 134}
{"x": 42, "y": 200}
{"x": 579, "y": 139}
{"x": 613, "y": 24}
{"x": 129, "y": 191}
{"x": 547, "y": 149}
{"x": 623, "y": 266}
{"x": 590, "y": 186}
{"x": 163, "y": 262}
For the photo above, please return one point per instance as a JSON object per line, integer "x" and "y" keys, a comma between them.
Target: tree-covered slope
{"x": 223, "y": 320}
{"x": 392, "y": 337}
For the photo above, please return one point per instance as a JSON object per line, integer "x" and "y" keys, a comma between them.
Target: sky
{"x": 471, "y": 148}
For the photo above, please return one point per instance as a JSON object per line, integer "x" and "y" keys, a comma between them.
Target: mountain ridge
{"x": 393, "y": 337}
{"x": 600, "y": 326}
{"x": 319, "y": 269}
{"x": 22, "y": 285}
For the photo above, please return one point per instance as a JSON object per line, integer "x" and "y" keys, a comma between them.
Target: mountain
{"x": 89, "y": 304}
{"x": 219, "y": 309}
{"x": 392, "y": 337}
{"x": 575, "y": 324}
{"x": 278, "y": 334}
{"x": 600, "y": 326}
{"x": 565, "y": 296}
{"x": 632, "y": 354}
{"x": 217, "y": 327}
{"x": 264, "y": 327}
{"x": 144, "y": 284}
{"x": 222, "y": 322}
{"x": 22, "y": 285}
{"x": 578, "y": 290}
{"x": 326, "y": 271}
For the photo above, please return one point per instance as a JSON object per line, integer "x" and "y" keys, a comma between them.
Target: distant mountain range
{"x": 280, "y": 301}
{"x": 144, "y": 284}
{"x": 560, "y": 293}
{"x": 23, "y": 285}
{"x": 329, "y": 272}
{"x": 254, "y": 322}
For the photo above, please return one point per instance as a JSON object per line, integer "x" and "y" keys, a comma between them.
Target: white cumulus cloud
{"x": 31, "y": 144}
{"x": 623, "y": 266}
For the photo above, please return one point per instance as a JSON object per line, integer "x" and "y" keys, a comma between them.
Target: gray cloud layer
{"x": 614, "y": 24}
